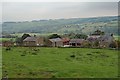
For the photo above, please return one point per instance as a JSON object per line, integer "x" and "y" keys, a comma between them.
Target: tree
{"x": 113, "y": 45}
{"x": 71, "y": 35}
{"x": 98, "y": 32}
{"x": 118, "y": 44}
{"x": 25, "y": 36}
{"x": 96, "y": 43}
{"x": 87, "y": 44}
{"x": 54, "y": 36}
{"x": 19, "y": 41}
{"x": 81, "y": 36}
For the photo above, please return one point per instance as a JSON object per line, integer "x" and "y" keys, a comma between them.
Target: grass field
{"x": 7, "y": 39}
{"x": 117, "y": 37}
{"x": 24, "y": 62}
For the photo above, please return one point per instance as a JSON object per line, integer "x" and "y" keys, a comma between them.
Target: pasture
{"x": 40, "y": 62}
{"x": 117, "y": 37}
{"x": 7, "y": 39}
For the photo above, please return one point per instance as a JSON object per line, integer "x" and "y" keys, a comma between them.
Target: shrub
{"x": 34, "y": 53}
{"x": 89, "y": 54}
{"x": 8, "y": 49}
{"x": 73, "y": 56}
{"x": 118, "y": 44}
{"x": 22, "y": 54}
{"x": 113, "y": 45}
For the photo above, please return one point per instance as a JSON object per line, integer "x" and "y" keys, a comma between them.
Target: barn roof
{"x": 55, "y": 39}
{"x": 94, "y": 36}
{"x": 107, "y": 38}
{"x": 76, "y": 40}
{"x": 30, "y": 39}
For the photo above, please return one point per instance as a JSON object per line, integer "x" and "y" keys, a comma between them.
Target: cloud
{"x": 19, "y": 11}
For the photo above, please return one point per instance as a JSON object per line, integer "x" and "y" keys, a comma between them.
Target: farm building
{"x": 76, "y": 42}
{"x": 93, "y": 38}
{"x": 7, "y": 43}
{"x": 65, "y": 41}
{"x": 106, "y": 40}
{"x": 103, "y": 40}
{"x": 55, "y": 42}
{"x": 33, "y": 41}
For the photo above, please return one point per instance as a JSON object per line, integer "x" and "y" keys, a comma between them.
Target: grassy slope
{"x": 57, "y": 62}
{"x": 84, "y": 25}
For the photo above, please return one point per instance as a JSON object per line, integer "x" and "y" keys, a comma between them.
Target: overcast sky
{"x": 23, "y": 11}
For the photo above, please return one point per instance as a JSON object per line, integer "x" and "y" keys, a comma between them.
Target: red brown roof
{"x": 76, "y": 40}
{"x": 65, "y": 39}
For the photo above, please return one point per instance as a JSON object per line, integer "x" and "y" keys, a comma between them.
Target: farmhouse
{"x": 55, "y": 42}
{"x": 33, "y": 41}
{"x": 76, "y": 42}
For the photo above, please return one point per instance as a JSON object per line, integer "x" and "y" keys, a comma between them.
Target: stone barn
{"x": 33, "y": 41}
{"x": 55, "y": 42}
{"x": 76, "y": 42}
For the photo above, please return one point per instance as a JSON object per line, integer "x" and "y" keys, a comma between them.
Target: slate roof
{"x": 94, "y": 36}
{"x": 55, "y": 39}
{"x": 76, "y": 40}
{"x": 107, "y": 38}
{"x": 30, "y": 39}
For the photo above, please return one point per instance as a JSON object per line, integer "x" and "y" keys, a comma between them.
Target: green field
{"x": 117, "y": 37}
{"x": 40, "y": 62}
{"x": 7, "y": 39}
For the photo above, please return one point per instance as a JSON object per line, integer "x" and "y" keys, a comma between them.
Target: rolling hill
{"x": 109, "y": 24}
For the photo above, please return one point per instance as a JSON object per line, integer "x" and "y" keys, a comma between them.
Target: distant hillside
{"x": 76, "y": 25}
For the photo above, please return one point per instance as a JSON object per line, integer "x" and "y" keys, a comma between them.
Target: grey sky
{"x": 22, "y": 11}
